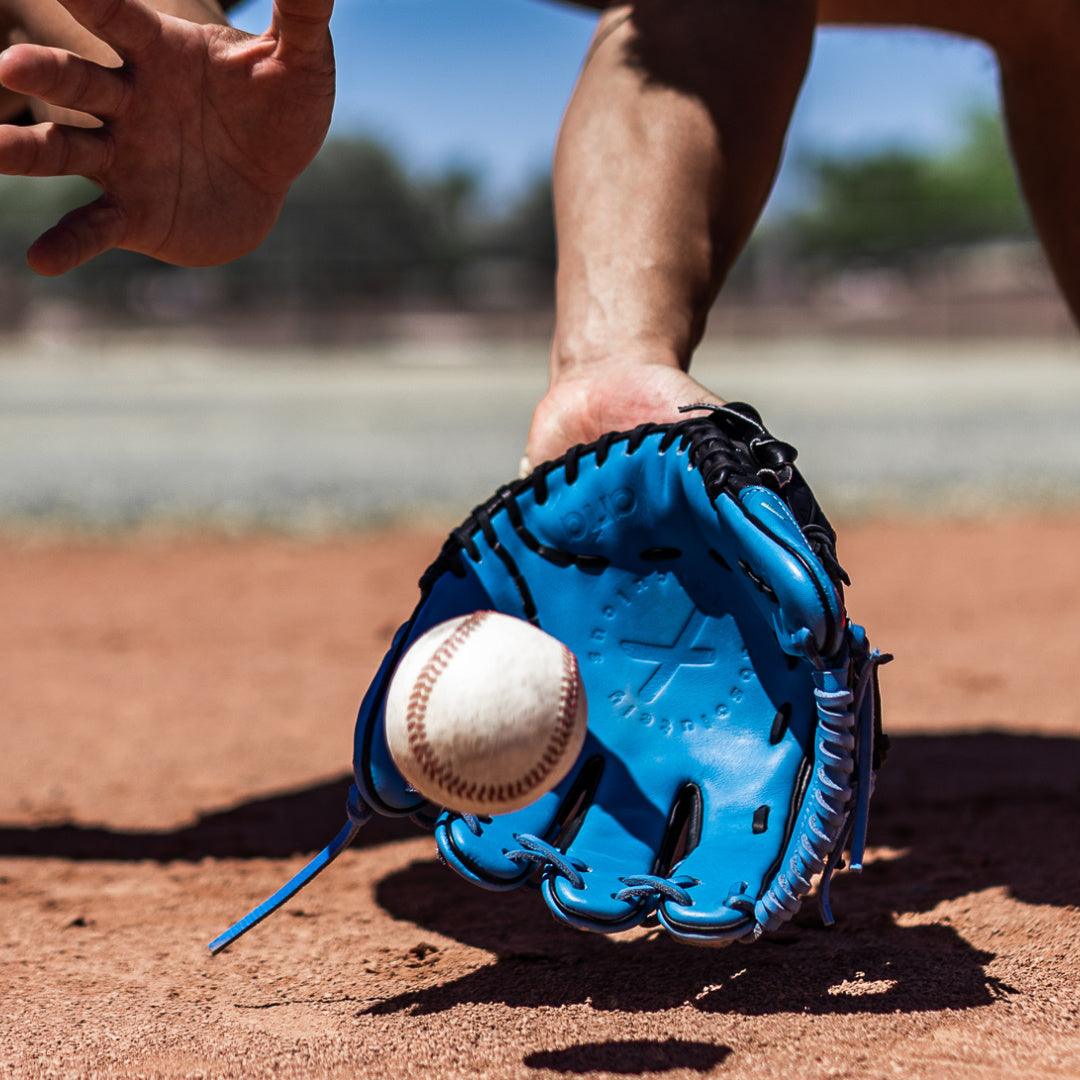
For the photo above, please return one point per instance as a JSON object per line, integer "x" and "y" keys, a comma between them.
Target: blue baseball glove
{"x": 734, "y": 729}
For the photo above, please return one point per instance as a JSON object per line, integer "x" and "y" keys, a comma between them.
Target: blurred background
{"x": 893, "y": 300}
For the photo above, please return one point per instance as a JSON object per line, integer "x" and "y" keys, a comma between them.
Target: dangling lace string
{"x": 358, "y": 814}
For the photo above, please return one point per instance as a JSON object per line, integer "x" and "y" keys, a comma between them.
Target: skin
{"x": 204, "y": 128}
{"x": 668, "y": 151}
{"x": 1038, "y": 51}
{"x": 664, "y": 161}
{"x": 661, "y": 171}
{"x": 45, "y": 22}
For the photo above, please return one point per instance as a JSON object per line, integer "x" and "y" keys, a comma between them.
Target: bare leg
{"x": 989, "y": 20}
{"x": 1042, "y": 109}
{"x": 667, "y": 154}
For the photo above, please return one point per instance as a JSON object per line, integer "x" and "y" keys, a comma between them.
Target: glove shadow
{"x": 960, "y": 813}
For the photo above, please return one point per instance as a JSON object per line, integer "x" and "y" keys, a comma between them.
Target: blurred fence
{"x": 890, "y": 242}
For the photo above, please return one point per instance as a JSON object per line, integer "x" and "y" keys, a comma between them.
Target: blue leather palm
{"x": 695, "y": 625}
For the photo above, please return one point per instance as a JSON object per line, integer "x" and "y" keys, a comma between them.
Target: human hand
{"x": 584, "y": 403}
{"x": 204, "y": 129}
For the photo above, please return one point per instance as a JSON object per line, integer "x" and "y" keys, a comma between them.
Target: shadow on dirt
{"x": 957, "y": 814}
{"x": 970, "y": 811}
{"x": 275, "y": 827}
{"x": 631, "y": 1057}
{"x": 960, "y": 814}
{"x": 867, "y": 964}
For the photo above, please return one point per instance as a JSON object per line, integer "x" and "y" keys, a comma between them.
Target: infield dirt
{"x": 177, "y": 720}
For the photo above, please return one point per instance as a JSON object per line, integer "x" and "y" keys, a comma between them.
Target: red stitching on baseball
{"x": 440, "y": 772}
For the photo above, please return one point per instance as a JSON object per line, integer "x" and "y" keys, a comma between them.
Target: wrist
{"x": 573, "y": 360}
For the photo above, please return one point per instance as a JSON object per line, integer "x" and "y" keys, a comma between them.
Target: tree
{"x": 895, "y": 207}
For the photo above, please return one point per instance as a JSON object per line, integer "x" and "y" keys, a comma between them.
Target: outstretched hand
{"x": 582, "y": 405}
{"x": 204, "y": 129}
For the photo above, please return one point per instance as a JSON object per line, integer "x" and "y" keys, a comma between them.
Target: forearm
{"x": 667, "y": 154}
{"x": 45, "y": 22}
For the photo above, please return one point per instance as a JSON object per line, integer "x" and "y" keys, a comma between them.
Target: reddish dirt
{"x": 178, "y": 719}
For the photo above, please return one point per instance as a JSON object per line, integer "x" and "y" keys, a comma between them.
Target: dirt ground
{"x": 177, "y": 721}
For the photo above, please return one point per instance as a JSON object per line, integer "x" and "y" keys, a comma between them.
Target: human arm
{"x": 666, "y": 156}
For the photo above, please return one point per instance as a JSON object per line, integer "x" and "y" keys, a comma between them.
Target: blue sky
{"x": 485, "y": 81}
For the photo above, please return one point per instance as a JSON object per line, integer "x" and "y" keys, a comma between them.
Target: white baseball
{"x": 485, "y": 713}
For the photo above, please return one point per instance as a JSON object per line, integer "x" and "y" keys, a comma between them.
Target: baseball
{"x": 485, "y": 713}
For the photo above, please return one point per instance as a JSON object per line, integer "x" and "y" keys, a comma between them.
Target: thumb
{"x": 302, "y": 25}
{"x": 77, "y": 238}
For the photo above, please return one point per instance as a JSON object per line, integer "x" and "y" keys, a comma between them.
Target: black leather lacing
{"x": 461, "y": 541}
{"x": 739, "y": 447}
{"x": 730, "y": 447}
{"x": 822, "y": 541}
{"x": 772, "y": 462}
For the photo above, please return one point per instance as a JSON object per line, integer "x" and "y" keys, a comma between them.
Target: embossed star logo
{"x": 668, "y": 660}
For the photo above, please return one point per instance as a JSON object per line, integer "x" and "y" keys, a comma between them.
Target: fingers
{"x": 76, "y": 238}
{"x": 129, "y": 26}
{"x": 63, "y": 79}
{"x": 303, "y": 25}
{"x": 53, "y": 150}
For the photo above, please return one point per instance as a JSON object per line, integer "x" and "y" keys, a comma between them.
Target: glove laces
{"x": 652, "y": 886}
{"x": 853, "y": 836}
{"x": 543, "y": 855}
{"x": 358, "y": 813}
{"x": 637, "y": 887}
